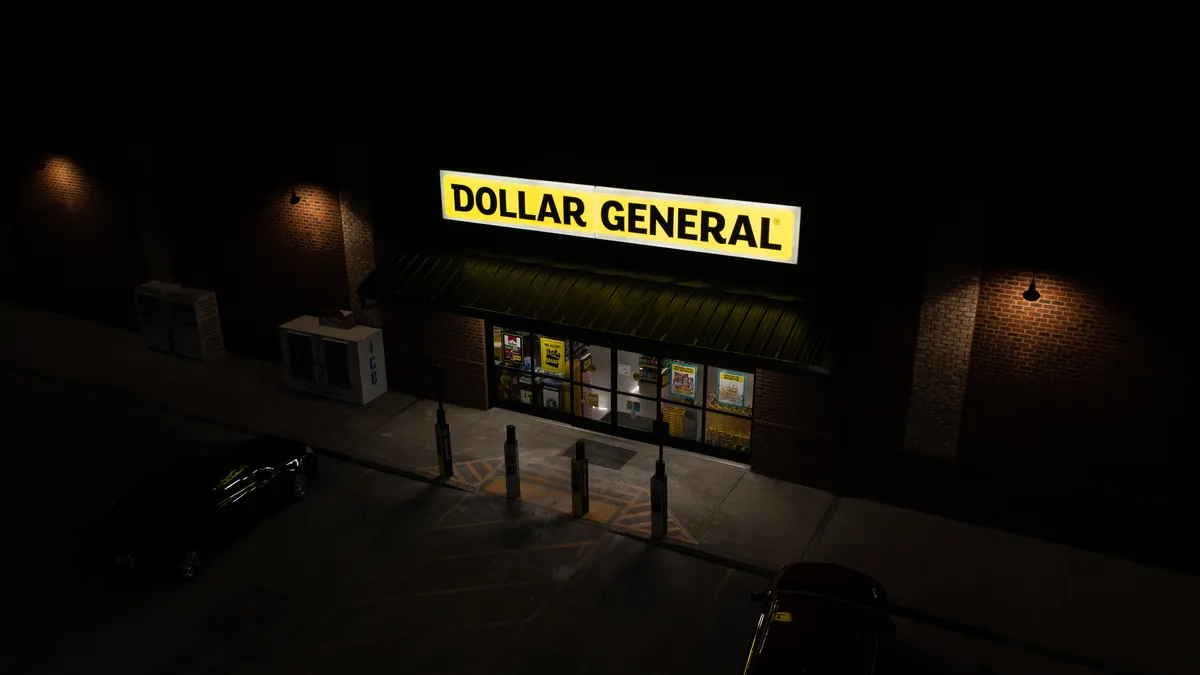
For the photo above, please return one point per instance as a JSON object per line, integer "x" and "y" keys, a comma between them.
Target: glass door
{"x": 592, "y": 378}
{"x": 637, "y": 386}
{"x": 551, "y": 372}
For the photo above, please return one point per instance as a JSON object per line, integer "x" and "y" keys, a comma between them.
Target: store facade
{"x": 588, "y": 338}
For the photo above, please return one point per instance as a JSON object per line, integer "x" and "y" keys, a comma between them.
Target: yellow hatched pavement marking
{"x": 530, "y": 491}
{"x": 636, "y": 517}
{"x": 471, "y": 473}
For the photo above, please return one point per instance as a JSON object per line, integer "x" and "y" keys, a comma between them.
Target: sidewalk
{"x": 1093, "y": 608}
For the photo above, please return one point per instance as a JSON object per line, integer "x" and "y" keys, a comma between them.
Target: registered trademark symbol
{"x": 776, "y": 221}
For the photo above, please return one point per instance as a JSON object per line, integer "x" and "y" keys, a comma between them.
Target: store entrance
{"x": 605, "y": 388}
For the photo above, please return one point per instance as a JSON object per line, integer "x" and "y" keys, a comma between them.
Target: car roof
{"x": 831, "y": 580}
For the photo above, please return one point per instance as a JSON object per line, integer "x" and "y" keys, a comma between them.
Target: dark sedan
{"x": 819, "y": 618}
{"x": 172, "y": 520}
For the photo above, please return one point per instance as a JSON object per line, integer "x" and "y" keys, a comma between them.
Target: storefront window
{"x": 681, "y": 381}
{"x": 682, "y": 421}
{"x": 593, "y": 364}
{"x": 550, "y": 356}
{"x": 698, "y": 403}
{"x": 637, "y": 374}
{"x": 510, "y": 348}
{"x": 514, "y": 386}
{"x": 730, "y": 391}
{"x": 635, "y": 412}
{"x": 727, "y": 431}
{"x": 551, "y": 394}
{"x": 596, "y": 404}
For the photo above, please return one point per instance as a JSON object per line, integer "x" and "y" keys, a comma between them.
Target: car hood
{"x": 820, "y": 635}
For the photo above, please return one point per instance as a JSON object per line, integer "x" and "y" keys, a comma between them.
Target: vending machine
{"x": 346, "y": 364}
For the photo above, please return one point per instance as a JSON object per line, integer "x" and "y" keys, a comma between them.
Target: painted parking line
{"x": 372, "y": 640}
{"x": 484, "y": 587}
{"x": 512, "y": 551}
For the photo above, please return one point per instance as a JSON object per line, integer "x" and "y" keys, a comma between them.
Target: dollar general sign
{"x": 721, "y": 226}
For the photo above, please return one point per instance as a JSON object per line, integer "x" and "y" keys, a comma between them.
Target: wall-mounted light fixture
{"x": 295, "y": 198}
{"x": 1031, "y": 294}
{"x": 41, "y": 166}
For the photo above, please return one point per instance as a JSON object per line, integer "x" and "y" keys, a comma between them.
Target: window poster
{"x": 683, "y": 380}
{"x": 554, "y": 356}
{"x": 731, "y": 388}
{"x": 513, "y": 350}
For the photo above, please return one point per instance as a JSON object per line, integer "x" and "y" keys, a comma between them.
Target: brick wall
{"x": 1073, "y": 385}
{"x": 357, "y": 233}
{"x": 941, "y": 361}
{"x": 74, "y": 245}
{"x": 794, "y": 421}
{"x": 233, "y": 229}
{"x": 418, "y": 339}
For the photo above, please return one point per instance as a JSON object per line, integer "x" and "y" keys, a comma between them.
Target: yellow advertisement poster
{"x": 752, "y": 230}
{"x": 683, "y": 380}
{"x": 554, "y": 356}
{"x": 731, "y": 388}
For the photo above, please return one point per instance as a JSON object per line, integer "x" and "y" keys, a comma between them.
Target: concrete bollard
{"x": 579, "y": 481}
{"x": 512, "y": 468}
{"x": 658, "y": 489}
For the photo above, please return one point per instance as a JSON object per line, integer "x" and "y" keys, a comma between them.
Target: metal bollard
{"x": 512, "y": 468}
{"x": 579, "y": 481}
{"x": 441, "y": 431}
{"x": 658, "y": 489}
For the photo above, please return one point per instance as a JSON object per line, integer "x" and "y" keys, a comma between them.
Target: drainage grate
{"x": 603, "y": 454}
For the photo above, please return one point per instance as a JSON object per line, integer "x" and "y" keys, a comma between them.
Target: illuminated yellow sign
{"x": 554, "y": 356}
{"x": 703, "y": 224}
{"x": 782, "y": 617}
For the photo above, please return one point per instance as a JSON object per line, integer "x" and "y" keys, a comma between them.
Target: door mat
{"x": 603, "y": 454}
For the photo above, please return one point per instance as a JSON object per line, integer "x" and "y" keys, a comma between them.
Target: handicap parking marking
{"x": 471, "y": 473}
{"x": 636, "y": 518}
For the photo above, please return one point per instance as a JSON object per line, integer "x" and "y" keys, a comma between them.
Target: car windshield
{"x": 182, "y": 481}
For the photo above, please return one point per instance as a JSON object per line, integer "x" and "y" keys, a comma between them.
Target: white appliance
{"x": 341, "y": 363}
{"x": 154, "y": 313}
{"x": 195, "y": 323}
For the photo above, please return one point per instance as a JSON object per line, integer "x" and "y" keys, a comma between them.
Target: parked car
{"x": 170, "y": 522}
{"x": 819, "y": 618}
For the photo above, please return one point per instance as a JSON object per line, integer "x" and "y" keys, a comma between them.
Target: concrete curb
{"x": 392, "y": 469}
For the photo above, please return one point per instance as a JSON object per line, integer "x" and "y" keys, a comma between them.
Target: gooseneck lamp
{"x": 1031, "y": 294}
{"x": 295, "y": 198}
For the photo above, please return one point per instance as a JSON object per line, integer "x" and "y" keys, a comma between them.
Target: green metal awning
{"x": 750, "y": 329}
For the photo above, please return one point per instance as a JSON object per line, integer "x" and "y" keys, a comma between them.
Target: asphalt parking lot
{"x": 371, "y": 572}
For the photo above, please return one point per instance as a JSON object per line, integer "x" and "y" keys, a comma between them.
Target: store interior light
{"x": 1031, "y": 294}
